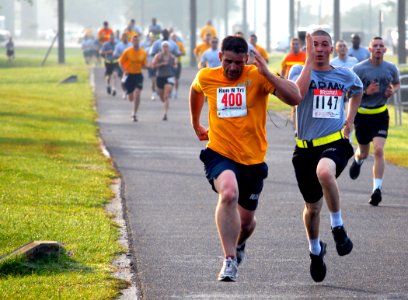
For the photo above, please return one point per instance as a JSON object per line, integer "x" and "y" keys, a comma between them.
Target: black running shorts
{"x": 110, "y": 68}
{"x": 249, "y": 177}
{"x": 305, "y": 162}
{"x": 132, "y": 82}
{"x": 162, "y": 81}
{"x": 369, "y": 126}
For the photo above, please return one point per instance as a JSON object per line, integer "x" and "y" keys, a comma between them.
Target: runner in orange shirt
{"x": 132, "y": 61}
{"x": 234, "y": 157}
{"x": 295, "y": 57}
{"x": 208, "y": 29}
{"x": 253, "y": 39}
{"x": 202, "y": 47}
{"x": 177, "y": 71}
{"x": 104, "y": 33}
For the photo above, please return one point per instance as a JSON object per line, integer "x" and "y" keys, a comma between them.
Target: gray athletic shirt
{"x": 385, "y": 73}
{"x": 322, "y": 110}
{"x": 166, "y": 70}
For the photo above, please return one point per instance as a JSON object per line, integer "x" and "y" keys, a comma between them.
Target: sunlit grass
{"x": 35, "y": 57}
{"x": 54, "y": 183}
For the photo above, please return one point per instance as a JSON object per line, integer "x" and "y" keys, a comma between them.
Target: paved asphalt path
{"x": 170, "y": 215}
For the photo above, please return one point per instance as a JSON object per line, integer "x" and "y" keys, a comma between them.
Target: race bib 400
{"x": 231, "y": 102}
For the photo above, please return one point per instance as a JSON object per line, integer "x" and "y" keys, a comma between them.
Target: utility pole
{"x": 402, "y": 52}
{"x": 370, "y": 16}
{"x": 268, "y": 25}
{"x": 61, "y": 45}
{"x": 226, "y": 9}
{"x": 291, "y": 19}
{"x": 193, "y": 28}
{"x": 142, "y": 14}
{"x": 244, "y": 17}
{"x": 336, "y": 20}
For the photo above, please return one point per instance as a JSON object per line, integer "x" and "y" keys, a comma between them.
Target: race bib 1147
{"x": 327, "y": 103}
{"x": 231, "y": 102}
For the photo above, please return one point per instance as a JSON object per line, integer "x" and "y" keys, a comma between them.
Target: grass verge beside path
{"x": 54, "y": 182}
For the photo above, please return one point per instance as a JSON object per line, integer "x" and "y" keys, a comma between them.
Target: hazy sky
{"x": 280, "y": 15}
{"x": 256, "y": 14}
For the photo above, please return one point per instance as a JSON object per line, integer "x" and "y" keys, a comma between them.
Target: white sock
{"x": 377, "y": 183}
{"x": 335, "y": 219}
{"x": 314, "y": 246}
{"x": 359, "y": 161}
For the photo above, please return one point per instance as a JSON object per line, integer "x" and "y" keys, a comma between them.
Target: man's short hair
{"x": 320, "y": 32}
{"x": 375, "y": 39}
{"x": 342, "y": 42}
{"x": 234, "y": 44}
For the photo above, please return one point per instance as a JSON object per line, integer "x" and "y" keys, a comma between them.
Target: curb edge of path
{"x": 124, "y": 262}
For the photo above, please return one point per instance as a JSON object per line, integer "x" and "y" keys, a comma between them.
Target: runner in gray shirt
{"x": 211, "y": 57}
{"x": 165, "y": 63}
{"x": 381, "y": 81}
{"x": 322, "y": 146}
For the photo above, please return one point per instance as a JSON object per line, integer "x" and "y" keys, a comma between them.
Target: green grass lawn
{"x": 54, "y": 182}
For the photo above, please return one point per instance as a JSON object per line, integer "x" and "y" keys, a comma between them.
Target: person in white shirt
{"x": 210, "y": 58}
{"x": 343, "y": 59}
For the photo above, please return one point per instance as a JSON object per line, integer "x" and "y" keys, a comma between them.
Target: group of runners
{"x": 159, "y": 52}
{"x": 329, "y": 97}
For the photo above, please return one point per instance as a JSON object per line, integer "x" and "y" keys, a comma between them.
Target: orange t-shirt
{"x": 182, "y": 50}
{"x": 104, "y": 35}
{"x": 262, "y": 52}
{"x": 292, "y": 59}
{"x": 133, "y": 61}
{"x": 243, "y": 138}
{"x": 208, "y": 29}
{"x": 201, "y": 48}
{"x": 130, "y": 34}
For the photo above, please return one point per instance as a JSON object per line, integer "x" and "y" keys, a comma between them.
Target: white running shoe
{"x": 229, "y": 270}
{"x": 154, "y": 96}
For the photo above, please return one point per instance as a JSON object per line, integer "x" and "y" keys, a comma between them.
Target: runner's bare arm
{"x": 155, "y": 61}
{"x": 303, "y": 81}
{"x": 286, "y": 90}
{"x": 196, "y": 105}
{"x": 353, "y": 105}
{"x": 392, "y": 89}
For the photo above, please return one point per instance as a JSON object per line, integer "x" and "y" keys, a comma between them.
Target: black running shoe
{"x": 317, "y": 266}
{"x": 108, "y": 90}
{"x": 354, "y": 170}
{"x": 241, "y": 256}
{"x": 375, "y": 197}
{"x": 343, "y": 243}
